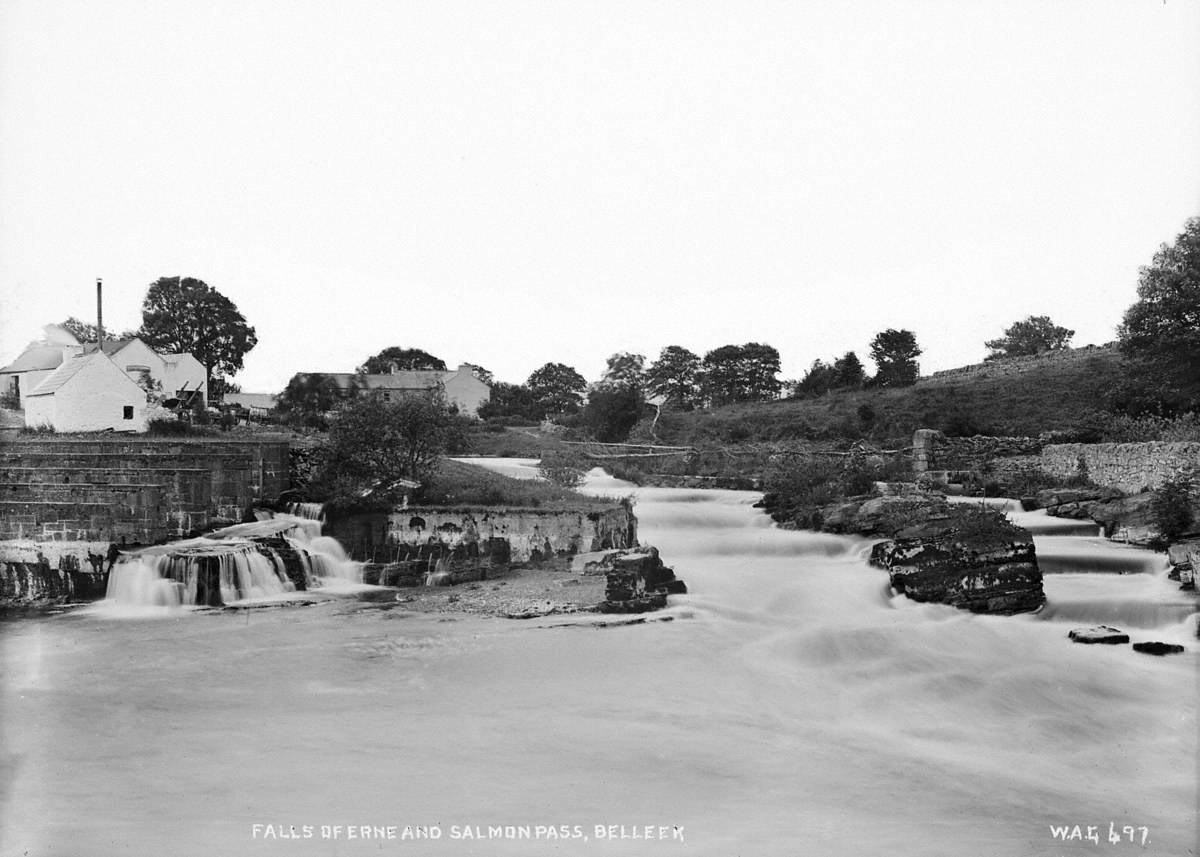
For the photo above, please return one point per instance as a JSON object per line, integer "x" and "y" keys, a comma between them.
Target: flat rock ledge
{"x": 1099, "y": 634}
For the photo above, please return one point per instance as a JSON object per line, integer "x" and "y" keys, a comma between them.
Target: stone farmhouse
{"x": 462, "y": 388}
{"x": 45, "y": 367}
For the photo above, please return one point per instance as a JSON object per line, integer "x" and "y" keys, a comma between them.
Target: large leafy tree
{"x": 625, "y": 370}
{"x": 186, "y": 314}
{"x": 557, "y": 388}
{"x": 1036, "y": 334}
{"x": 375, "y": 442}
{"x": 401, "y": 360}
{"x": 895, "y": 353}
{"x": 612, "y": 412}
{"x": 675, "y": 377}
{"x": 1160, "y": 334}
{"x": 848, "y": 372}
{"x": 512, "y": 401}
{"x": 740, "y": 373}
{"x": 308, "y": 398}
{"x": 818, "y": 380}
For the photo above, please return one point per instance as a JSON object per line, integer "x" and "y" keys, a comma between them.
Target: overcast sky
{"x": 513, "y": 183}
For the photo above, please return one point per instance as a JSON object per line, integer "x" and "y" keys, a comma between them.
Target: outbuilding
{"x": 87, "y": 393}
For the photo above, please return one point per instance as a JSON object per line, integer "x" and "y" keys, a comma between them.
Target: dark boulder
{"x": 1157, "y": 648}
{"x": 974, "y": 559}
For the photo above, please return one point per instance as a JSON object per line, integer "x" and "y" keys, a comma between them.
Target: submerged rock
{"x": 1099, "y": 634}
{"x": 1157, "y": 648}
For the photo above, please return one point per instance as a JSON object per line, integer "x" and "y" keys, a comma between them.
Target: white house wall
{"x": 93, "y": 400}
{"x": 39, "y": 411}
{"x": 137, "y": 354}
{"x": 185, "y": 372}
{"x": 466, "y": 391}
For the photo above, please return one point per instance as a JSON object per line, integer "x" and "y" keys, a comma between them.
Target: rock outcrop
{"x": 637, "y": 581}
{"x": 974, "y": 560}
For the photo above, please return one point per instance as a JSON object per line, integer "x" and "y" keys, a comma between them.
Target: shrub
{"x": 1171, "y": 505}
{"x": 563, "y": 469}
{"x": 10, "y": 400}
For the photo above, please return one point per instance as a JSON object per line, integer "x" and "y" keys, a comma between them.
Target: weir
{"x": 263, "y": 559}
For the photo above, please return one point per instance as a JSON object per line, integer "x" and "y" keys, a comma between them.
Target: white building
{"x": 38, "y": 361}
{"x": 179, "y": 375}
{"x": 461, "y": 386}
{"x": 88, "y": 392}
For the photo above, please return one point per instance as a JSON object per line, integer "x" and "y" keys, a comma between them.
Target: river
{"x": 792, "y": 706}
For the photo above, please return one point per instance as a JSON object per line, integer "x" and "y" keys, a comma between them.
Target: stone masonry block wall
{"x": 530, "y": 533}
{"x": 1128, "y": 467}
{"x": 136, "y": 489}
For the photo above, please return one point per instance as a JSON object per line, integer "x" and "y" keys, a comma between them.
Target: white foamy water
{"x": 793, "y": 707}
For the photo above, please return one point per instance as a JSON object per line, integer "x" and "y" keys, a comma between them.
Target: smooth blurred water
{"x": 793, "y": 706}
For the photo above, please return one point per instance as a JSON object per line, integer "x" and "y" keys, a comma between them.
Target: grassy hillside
{"x": 1055, "y": 397}
{"x": 458, "y": 484}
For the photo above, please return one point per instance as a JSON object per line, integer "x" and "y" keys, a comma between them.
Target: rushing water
{"x": 793, "y": 707}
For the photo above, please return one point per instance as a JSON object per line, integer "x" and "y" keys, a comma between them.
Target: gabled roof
{"x": 36, "y": 356}
{"x": 68, "y": 370}
{"x": 109, "y": 346}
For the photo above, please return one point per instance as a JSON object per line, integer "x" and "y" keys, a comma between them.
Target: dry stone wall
{"x": 1127, "y": 467}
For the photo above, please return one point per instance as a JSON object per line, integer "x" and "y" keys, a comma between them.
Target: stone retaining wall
{"x": 1128, "y": 467}
{"x": 136, "y": 489}
{"x": 531, "y": 534}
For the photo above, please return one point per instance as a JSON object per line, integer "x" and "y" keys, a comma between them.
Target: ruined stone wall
{"x": 933, "y": 451}
{"x": 1019, "y": 365}
{"x": 136, "y": 489}
{"x": 530, "y": 533}
{"x": 1128, "y": 467}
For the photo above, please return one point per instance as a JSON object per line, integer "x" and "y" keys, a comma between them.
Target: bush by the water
{"x": 563, "y": 468}
{"x": 1171, "y": 505}
{"x": 798, "y": 484}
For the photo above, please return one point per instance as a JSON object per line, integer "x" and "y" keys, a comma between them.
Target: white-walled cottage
{"x": 87, "y": 393}
{"x": 37, "y": 362}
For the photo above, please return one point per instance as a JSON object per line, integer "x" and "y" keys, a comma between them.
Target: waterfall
{"x": 268, "y": 558}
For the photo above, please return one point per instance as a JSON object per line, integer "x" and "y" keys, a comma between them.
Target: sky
{"x": 513, "y": 183}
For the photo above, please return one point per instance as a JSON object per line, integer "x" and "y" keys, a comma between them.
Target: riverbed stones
{"x": 1101, "y": 634}
{"x": 1157, "y": 648}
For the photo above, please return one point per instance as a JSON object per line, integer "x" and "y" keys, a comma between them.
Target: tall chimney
{"x": 99, "y": 316}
